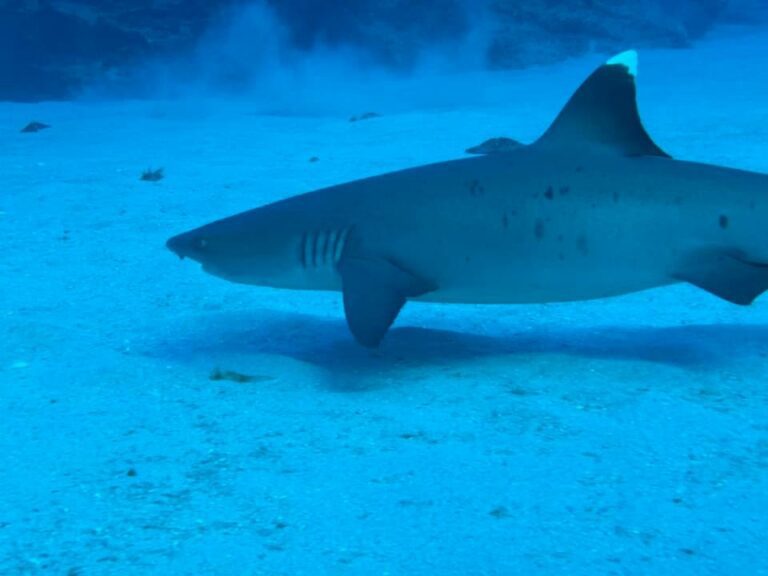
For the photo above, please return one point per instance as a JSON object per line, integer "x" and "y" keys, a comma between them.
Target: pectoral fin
{"x": 375, "y": 290}
{"x": 725, "y": 274}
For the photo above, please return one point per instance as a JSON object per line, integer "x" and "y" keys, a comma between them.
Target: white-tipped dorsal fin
{"x": 603, "y": 113}
{"x": 628, "y": 59}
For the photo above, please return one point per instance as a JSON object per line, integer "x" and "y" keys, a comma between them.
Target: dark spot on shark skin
{"x": 564, "y": 190}
{"x": 678, "y": 200}
{"x": 582, "y": 244}
{"x": 475, "y": 188}
{"x": 615, "y": 196}
{"x": 560, "y": 238}
{"x": 561, "y": 256}
{"x": 538, "y": 229}
{"x": 550, "y": 193}
{"x": 723, "y": 221}
{"x": 467, "y": 259}
{"x": 752, "y": 205}
{"x": 505, "y": 221}
{"x": 579, "y": 168}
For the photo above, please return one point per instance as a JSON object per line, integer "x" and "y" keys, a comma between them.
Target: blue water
{"x": 620, "y": 436}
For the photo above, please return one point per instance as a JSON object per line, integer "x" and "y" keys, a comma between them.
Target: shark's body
{"x": 592, "y": 209}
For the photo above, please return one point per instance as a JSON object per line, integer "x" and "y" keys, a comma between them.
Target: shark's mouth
{"x": 237, "y": 276}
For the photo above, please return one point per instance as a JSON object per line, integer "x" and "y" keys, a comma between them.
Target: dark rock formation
{"x": 50, "y": 48}
{"x": 393, "y": 31}
{"x": 541, "y": 31}
{"x": 746, "y": 12}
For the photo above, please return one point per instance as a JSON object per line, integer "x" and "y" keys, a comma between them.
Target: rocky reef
{"x": 602, "y": 25}
{"x": 50, "y": 48}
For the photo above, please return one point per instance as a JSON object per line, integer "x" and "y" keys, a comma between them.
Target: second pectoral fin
{"x": 375, "y": 290}
{"x": 725, "y": 274}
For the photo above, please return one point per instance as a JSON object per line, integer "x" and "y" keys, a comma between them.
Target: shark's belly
{"x": 549, "y": 282}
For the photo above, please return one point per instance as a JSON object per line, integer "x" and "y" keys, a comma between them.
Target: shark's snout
{"x": 174, "y": 245}
{"x": 188, "y": 245}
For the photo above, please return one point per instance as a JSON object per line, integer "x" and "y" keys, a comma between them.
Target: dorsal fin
{"x": 603, "y": 112}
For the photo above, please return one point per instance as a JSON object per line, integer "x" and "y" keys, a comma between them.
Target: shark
{"x": 593, "y": 208}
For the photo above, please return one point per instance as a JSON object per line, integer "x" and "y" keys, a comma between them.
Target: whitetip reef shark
{"x": 593, "y": 208}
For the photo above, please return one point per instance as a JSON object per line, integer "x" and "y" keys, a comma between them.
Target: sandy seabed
{"x": 622, "y": 436}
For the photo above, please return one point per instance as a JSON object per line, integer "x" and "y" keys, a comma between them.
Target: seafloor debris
{"x": 35, "y": 127}
{"x": 365, "y": 116}
{"x": 494, "y": 146}
{"x": 240, "y": 378}
{"x": 152, "y": 175}
{"x": 500, "y": 512}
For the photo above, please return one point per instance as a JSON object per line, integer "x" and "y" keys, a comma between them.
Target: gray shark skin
{"x": 592, "y": 209}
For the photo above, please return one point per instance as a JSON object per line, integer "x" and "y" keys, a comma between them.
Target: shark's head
{"x": 236, "y": 249}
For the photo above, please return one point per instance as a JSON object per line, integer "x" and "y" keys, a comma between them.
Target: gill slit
{"x": 319, "y": 249}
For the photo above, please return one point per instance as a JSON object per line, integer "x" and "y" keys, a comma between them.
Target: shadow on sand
{"x": 327, "y": 343}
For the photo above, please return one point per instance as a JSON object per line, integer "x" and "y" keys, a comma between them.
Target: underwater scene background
{"x": 157, "y": 420}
